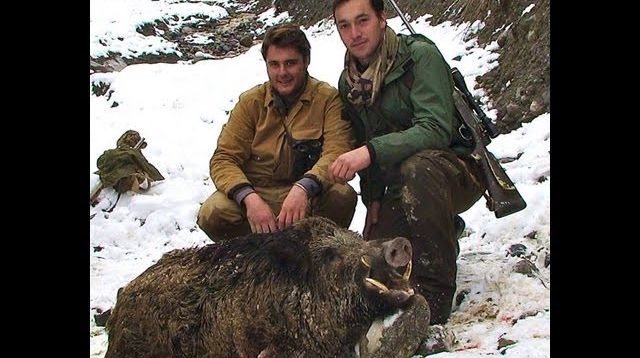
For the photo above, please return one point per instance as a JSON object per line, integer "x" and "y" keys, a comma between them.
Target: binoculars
{"x": 306, "y": 153}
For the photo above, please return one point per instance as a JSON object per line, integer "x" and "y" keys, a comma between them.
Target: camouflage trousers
{"x": 435, "y": 185}
{"x": 222, "y": 218}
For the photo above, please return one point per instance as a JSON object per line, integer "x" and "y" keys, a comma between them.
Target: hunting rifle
{"x": 503, "y": 199}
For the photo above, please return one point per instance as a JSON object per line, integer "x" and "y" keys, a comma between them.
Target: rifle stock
{"x": 503, "y": 199}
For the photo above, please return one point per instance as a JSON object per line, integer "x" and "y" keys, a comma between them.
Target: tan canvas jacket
{"x": 251, "y": 147}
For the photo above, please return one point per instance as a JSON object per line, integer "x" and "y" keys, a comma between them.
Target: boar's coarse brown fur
{"x": 303, "y": 291}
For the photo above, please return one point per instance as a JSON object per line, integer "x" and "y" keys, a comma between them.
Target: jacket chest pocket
{"x": 396, "y": 109}
{"x": 307, "y": 131}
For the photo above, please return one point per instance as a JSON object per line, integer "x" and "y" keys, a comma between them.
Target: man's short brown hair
{"x": 377, "y": 5}
{"x": 286, "y": 35}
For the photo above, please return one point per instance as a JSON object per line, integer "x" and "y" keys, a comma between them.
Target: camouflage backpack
{"x": 125, "y": 168}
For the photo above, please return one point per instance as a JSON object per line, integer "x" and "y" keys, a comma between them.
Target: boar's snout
{"x": 397, "y": 252}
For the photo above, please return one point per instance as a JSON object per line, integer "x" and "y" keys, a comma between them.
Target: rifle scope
{"x": 458, "y": 79}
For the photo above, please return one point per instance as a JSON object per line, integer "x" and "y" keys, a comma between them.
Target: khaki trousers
{"x": 222, "y": 218}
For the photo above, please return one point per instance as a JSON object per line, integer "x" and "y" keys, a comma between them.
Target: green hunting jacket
{"x": 414, "y": 111}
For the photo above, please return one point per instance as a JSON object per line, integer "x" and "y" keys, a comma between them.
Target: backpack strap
{"x": 112, "y": 206}
{"x": 407, "y": 78}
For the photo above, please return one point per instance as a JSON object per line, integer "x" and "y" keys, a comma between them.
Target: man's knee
{"x": 424, "y": 161}
{"x": 343, "y": 195}
{"x": 338, "y": 203}
{"x": 219, "y": 217}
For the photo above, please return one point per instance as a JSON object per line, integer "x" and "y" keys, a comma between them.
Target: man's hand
{"x": 294, "y": 207}
{"x": 345, "y": 167}
{"x": 373, "y": 210}
{"x": 259, "y": 214}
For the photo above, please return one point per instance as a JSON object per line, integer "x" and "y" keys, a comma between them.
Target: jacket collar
{"x": 402, "y": 59}
{"x": 306, "y": 96}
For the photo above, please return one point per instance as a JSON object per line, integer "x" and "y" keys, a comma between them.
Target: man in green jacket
{"x": 413, "y": 161}
{"x": 271, "y": 162}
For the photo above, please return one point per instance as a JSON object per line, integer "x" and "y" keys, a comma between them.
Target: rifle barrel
{"x": 404, "y": 19}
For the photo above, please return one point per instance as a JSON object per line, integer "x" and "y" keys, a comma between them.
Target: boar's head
{"x": 340, "y": 259}
{"x": 386, "y": 267}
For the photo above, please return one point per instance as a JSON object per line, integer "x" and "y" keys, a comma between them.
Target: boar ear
{"x": 288, "y": 251}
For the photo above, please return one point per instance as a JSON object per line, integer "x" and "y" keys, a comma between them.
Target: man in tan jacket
{"x": 271, "y": 162}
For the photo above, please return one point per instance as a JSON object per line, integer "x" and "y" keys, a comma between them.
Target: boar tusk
{"x": 365, "y": 262}
{"x": 377, "y": 284}
{"x": 407, "y": 272}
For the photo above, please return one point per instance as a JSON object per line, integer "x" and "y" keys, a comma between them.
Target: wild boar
{"x": 310, "y": 290}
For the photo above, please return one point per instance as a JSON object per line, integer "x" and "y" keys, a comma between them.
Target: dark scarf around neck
{"x": 283, "y": 104}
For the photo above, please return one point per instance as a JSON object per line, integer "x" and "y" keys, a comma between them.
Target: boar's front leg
{"x": 403, "y": 337}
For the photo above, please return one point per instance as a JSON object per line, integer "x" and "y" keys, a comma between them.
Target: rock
{"x": 521, "y": 94}
{"x": 146, "y": 29}
{"x": 502, "y": 39}
{"x": 510, "y": 159}
{"x": 516, "y": 250}
{"x": 246, "y": 41}
{"x": 513, "y": 109}
{"x": 525, "y": 267}
{"x": 114, "y": 63}
{"x": 546, "y": 96}
{"x": 201, "y": 55}
{"x": 100, "y": 88}
{"x": 536, "y": 107}
{"x": 531, "y": 35}
{"x": 503, "y": 342}
{"x": 547, "y": 259}
{"x": 439, "y": 339}
{"x": 527, "y": 21}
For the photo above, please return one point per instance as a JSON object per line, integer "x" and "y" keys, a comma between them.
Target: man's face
{"x": 360, "y": 28}
{"x": 286, "y": 68}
